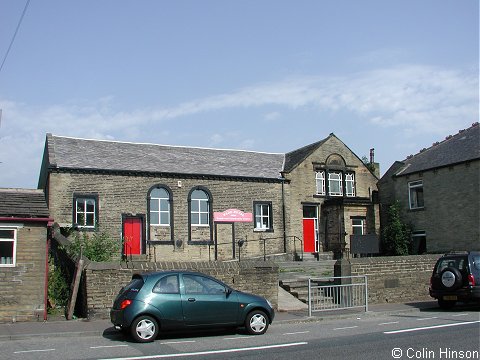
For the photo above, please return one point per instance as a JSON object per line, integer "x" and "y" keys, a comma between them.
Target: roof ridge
{"x": 447, "y": 139}
{"x": 21, "y": 190}
{"x": 164, "y": 145}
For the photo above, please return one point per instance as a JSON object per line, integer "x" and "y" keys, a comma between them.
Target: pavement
{"x": 291, "y": 312}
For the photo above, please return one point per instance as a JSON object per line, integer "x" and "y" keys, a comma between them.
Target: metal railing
{"x": 337, "y": 293}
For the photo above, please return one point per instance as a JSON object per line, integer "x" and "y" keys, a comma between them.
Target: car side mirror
{"x": 228, "y": 291}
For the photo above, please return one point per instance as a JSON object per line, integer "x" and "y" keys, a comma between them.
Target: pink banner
{"x": 232, "y": 215}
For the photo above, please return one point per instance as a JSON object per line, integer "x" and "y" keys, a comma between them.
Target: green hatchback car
{"x": 172, "y": 300}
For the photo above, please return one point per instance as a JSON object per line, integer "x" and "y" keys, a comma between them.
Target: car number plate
{"x": 450, "y": 297}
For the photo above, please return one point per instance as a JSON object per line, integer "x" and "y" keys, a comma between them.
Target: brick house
{"x": 184, "y": 203}
{"x": 439, "y": 193}
{"x": 24, "y": 220}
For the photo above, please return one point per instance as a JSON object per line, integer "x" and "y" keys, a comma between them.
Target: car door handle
{"x": 192, "y": 299}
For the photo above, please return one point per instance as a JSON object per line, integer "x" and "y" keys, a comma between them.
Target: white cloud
{"x": 410, "y": 98}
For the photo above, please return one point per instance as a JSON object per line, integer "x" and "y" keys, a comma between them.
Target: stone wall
{"x": 396, "y": 278}
{"x": 333, "y": 220}
{"x": 22, "y": 290}
{"x": 128, "y": 194}
{"x": 451, "y": 211}
{"x": 103, "y": 281}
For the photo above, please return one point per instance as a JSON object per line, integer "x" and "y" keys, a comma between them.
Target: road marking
{"x": 200, "y": 353}
{"x": 388, "y": 323}
{"x": 462, "y": 314}
{"x": 107, "y": 346}
{"x": 237, "y": 337}
{"x": 177, "y": 342}
{"x": 298, "y": 332}
{"x": 429, "y": 327}
{"x": 428, "y": 318}
{"x": 345, "y": 328}
{"x": 31, "y": 351}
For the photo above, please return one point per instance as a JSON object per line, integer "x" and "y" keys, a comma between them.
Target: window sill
{"x": 416, "y": 209}
{"x": 262, "y": 230}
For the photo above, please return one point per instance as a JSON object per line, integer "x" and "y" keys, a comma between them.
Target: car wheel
{"x": 446, "y": 304}
{"x": 256, "y": 322}
{"x": 144, "y": 329}
{"x": 451, "y": 278}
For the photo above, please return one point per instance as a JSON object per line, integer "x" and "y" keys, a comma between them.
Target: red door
{"x": 309, "y": 235}
{"x": 132, "y": 236}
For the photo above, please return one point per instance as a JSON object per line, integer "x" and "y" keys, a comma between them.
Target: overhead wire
{"x": 14, "y": 35}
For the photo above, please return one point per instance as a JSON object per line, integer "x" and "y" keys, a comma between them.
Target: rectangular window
{"x": 320, "y": 182}
{"x": 358, "y": 226}
{"x": 263, "y": 216}
{"x": 85, "y": 211}
{"x": 8, "y": 245}
{"x": 350, "y": 184}
{"x": 200, "y": 212}
{"x": 419, "y": 242}
{"x": 415, "y": 194}
{"x": 335, "y": 187}
{"x": 159, "y": 212}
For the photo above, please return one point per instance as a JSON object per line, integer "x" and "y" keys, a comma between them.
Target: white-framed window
{"x": 8, "y": 247}
{"x": 200, "y": 208}
{"x": 335, "y": 184}
{"x": 415, "y": 194}
{"x": 358, "y": 226}
{"x": 262, "y": 212}
{"x": 85, "y": 211}
{"x": 159, "y": 207}
{"x": 350, "y": 184}
{"x": 320, "y": 182}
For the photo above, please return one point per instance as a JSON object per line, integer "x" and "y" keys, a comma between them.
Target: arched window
{"x": 159, "y": 207}
{"x": 200, "y": 208}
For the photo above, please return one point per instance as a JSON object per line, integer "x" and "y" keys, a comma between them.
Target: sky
{"x": 261, "y": 75}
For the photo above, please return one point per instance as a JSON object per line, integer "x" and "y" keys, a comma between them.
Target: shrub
{"x": 95, "y": 246}
{"x": 396, "y": 234}
{"x": 58, "y": 289}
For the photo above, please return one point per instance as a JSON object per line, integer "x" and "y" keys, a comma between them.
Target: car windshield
{"x": 457, "y": 263}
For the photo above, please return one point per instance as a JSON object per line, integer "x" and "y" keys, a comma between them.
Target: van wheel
{"x": 144, "y": 329}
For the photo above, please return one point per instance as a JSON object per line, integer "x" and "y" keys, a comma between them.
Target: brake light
{"x": 125, "y": 303}
{"x": 471, "y": 280}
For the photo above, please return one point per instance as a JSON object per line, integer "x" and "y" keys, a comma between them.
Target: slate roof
{"x": 83, "y": 154}
{"x": 23, "y": 203}
{"x": 459, "y": 148}
{"x": 295, "y": 157}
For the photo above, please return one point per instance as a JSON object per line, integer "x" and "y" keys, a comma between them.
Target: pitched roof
{"x": 459, "y": 148}
{"x": 83, "y": 154}
{"x": 25, "y": 203}
{"x": 293, "y": 158}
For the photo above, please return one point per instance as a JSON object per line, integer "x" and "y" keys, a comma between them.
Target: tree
{"x": 396, "y": 234}
{"x": 368, "y": 164}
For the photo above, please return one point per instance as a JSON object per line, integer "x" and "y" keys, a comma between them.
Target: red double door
{"x": 132, "y": 235}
